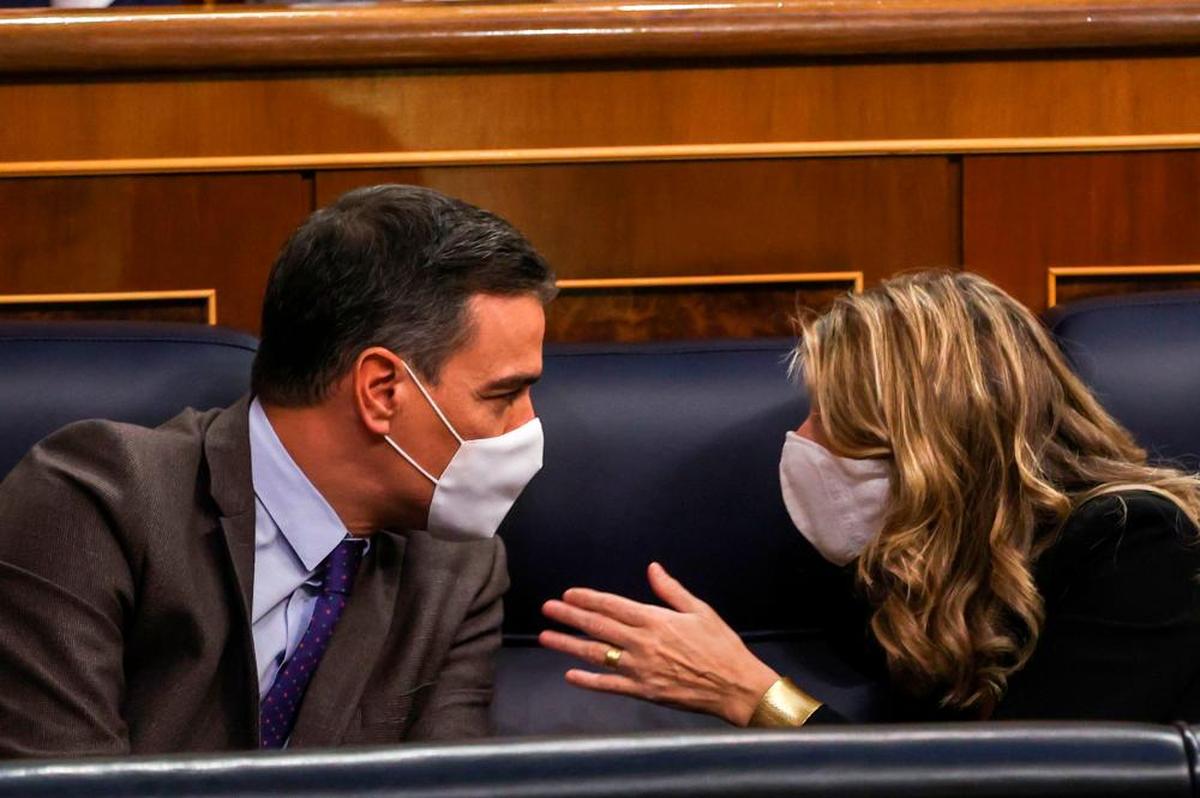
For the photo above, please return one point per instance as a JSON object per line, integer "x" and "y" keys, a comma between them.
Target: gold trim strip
{"x": 632, "y": 153}
{"x": 1054, "y": 272}
{"x": 601, "y": 284}
{"x": 209, "y": 295}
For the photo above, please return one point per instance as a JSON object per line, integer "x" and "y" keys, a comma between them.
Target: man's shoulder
{"x": 93, "y": 483}
{"x": 97, "y": 443}
{"x": 428, "y": 557}
{"x": 115, "y": 461}
{"x": 430, "y": 548}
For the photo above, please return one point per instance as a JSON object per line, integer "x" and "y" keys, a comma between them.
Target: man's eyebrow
{"x": 511, "y": 382}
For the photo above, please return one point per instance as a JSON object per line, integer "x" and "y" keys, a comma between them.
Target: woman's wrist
{"x": 754, "y": 682}
{"x": 783, "y": 705}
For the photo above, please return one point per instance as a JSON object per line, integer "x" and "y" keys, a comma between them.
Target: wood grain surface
{"x": 1025, "y": 214}
{"x": 174, "y": 149}
{"x": 875, "y": 215}
{"x": 269, "y": 114}
{"x": 423, "y": 34}
{"x": 69, "y": 235}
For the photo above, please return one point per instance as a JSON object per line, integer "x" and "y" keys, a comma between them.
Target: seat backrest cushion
{"x": 143, "y": 373}
{"x": 983, "y": 760}
{"x": 1140, "y": 355}
{"x": 668, "y": 453}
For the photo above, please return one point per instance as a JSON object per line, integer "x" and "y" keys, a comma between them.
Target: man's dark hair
{"x": 390, "y": 266}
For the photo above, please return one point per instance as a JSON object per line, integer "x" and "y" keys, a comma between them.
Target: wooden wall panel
{"x": 873, "y": 215}
{"x": 669, "y": 313}
{"x": 454, "y": 109}
{"x": 196, "y": 306}
{"x": 621, "y": 138}
{"x": 1088, "y": 282}
{"x": 362, "y": 36}
{"x": 1025, "y": 214}
{"x": 149, "y": 233}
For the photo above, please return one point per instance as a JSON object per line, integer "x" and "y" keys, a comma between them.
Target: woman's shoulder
{"x": 1133, "y": 554}
{"x": 1139, "y": 517}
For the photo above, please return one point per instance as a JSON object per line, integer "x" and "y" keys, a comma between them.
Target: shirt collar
{"x": 306, "y": 520}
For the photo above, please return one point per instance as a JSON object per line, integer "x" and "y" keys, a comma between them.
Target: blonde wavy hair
{"x": 994, "y": 442}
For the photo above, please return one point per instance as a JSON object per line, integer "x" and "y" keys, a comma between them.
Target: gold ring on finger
{"x": 612, "y": 658}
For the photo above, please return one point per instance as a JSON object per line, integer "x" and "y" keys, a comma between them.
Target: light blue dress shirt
{"x": 294, "y": 530}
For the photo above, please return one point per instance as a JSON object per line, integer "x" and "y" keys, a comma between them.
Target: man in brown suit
{"x": 250, "y": 576}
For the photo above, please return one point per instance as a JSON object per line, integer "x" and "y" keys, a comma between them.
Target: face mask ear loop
{"x": 411, "y": 461}
{"x": 433, "y": 404}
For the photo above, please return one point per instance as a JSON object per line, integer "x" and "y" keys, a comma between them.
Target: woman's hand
{"x": 682, "y": 655}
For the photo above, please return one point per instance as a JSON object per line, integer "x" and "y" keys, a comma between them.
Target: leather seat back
{"x": 666, "y": 452}
{"x": 143, "y": 373}
{"x": 1140, "y": 354}
{"x": 980, "y": 760}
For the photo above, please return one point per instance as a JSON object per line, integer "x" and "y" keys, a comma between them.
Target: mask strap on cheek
{"x": 436, "y": 409}
{"x": 411, "y": 461}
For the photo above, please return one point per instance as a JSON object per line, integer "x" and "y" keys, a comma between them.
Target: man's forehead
{"x": 511, "y": 368}
{"x": 506, "y": 340}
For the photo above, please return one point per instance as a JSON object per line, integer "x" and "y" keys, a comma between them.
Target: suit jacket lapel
{"x": 337, "y": 687}
{"x": 227, "y": 453}
{"x": 239, "y": 540}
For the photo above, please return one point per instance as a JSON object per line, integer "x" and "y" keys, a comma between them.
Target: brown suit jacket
{"x": 126, "y": 568}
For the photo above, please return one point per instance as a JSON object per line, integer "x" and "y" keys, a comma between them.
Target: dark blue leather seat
{"x": 654, "y": 452}
{"x": 1140, "y": 354}
{"x": 143, "y": 373}
{"x": 663, "y": 452}
{"x": 996, "y": 761}
{"x": 666, "y": 452}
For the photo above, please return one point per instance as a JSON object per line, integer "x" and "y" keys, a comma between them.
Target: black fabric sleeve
{"x": 1121, "y": 640}
{"x": 825, "y": 715}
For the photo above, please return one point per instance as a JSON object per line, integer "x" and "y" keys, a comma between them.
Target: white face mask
{"x": 836, "y": 502}
{"x": 482, "y": 480}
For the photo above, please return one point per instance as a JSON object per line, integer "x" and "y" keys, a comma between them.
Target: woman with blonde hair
{"x": 1019, "y": 555}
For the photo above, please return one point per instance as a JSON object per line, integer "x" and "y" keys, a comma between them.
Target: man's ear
{"x": 377, "y": 378}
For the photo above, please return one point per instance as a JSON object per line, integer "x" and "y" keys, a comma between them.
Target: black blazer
{"x": 1121, "y": 640}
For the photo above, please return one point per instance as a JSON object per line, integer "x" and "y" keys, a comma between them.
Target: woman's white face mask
{"x": 836, "y": 502}
{"x": 483, "y": 479}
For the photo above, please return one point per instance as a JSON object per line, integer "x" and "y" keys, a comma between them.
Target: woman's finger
{"x": 592, "y": 652}
{"x": 604, "y": 682}
{"x": 628, "y": 612}
{"x": 590, "y": 623}
{"x": 670, "y": 590}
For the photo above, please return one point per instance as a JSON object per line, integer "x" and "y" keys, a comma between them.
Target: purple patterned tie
{"x": 281, "y": 705}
